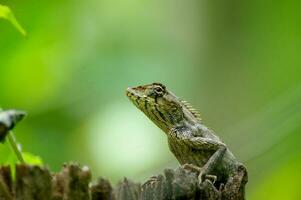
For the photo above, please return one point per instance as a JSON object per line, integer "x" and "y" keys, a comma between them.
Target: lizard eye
{"x": 158, "y": 90}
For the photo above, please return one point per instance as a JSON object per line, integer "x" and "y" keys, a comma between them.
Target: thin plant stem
{"x": 13, "y": 144}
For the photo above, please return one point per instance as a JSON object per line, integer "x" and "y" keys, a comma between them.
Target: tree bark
{"x": 74, "y": 183}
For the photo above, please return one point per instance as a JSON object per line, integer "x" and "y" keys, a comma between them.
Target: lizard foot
{"x": 151, "y": 181}
{"x": 203, "y": 177}
{"x": 192, "y": 168}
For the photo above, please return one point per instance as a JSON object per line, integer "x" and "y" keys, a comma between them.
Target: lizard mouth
{"x": 134, "y": 92}
{"x": 133, "y": 95}
{"x": 136, "y": 96}
{"x": 129, "y": 91}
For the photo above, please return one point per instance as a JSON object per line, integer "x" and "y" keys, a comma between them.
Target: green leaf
{"x": 6, "y": 13}
{"x": 32, "y": 159}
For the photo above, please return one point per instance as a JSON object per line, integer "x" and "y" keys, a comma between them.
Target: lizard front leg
{"x": 213, "y": 161}
{"x": 184, "y": 136}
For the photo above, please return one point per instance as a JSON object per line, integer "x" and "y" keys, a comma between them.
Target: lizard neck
{"x": 187, "y": 122}
{"x": 166, "y": 120}
{"x": 196, "y": 127}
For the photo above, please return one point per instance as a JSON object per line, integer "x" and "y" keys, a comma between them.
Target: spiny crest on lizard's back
{"x": 193, "y": 111}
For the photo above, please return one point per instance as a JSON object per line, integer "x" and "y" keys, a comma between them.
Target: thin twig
{"x": 13, "y": 144}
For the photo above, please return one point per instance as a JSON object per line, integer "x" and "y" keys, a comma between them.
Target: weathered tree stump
{"x": 74, "y": 183}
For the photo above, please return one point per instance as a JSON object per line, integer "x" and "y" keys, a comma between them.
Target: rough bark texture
{"x": 74, "y": 183}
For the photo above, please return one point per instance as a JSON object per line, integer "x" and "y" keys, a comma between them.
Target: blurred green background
{"x": 237, "y": 62}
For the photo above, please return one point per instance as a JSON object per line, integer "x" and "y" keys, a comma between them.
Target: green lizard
{"x": 194, "y": 145}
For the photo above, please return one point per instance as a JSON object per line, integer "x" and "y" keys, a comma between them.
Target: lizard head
{"x": 159, "y": 104}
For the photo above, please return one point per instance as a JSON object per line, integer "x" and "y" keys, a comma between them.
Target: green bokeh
{"x": 237, "y": 62}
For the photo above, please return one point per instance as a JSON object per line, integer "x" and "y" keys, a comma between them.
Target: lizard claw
{"x": 151, "y": 181}
{"x": 201, "y": 177}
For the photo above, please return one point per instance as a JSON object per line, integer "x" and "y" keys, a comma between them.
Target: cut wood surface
{"x": 74, "y": 183}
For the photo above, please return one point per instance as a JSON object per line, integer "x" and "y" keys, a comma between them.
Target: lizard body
{"x": 192, "y": 143}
